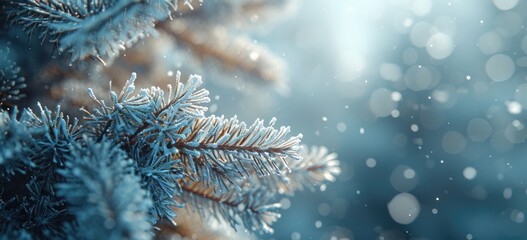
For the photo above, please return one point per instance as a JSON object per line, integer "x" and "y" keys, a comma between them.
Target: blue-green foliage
{"x": 147, "y": 113}
{"x": 56, "y": 134}
{"x": 33, "y": 147}
{"x": 160, "y": 175}
{"x": 251, "y": 208}
{"x": 16, "y": 234}
{"x": 15, "y": 140}
{"x": 173, "y": 139}
{"x": 250, "y": 149}
{"x": 11, "y": 83}
{"x": 123, "y": 117}
{"x": 104, "y": 193}
{"x": 35, "y": 215}
{"x": 91, "y": 28}
{"x": 318, "y": 165}
{"x": 149, "y": 124}
{"x": 137, "y": 159}
{"x": 53, "y": 135}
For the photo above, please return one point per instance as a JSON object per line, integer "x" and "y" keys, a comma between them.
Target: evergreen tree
{"x": 141, "y": 164}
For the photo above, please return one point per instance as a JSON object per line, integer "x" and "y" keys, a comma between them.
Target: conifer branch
{"x": 35, "y": 215}
{"x": 147, "y": 123}
{"x": 130, "y": 115}
{"x": 250, "y": 209}
{"x": 142, "y": 156}
{"x": 183, "y": 101}
{"x": 57, "y": 132}
{"x": 123, "y": 117}
{"x": 317, "y": 166}
{"x": 213, "y": 48}
{"x": 170, "y": 128}
{"x": 91, "y": 29}
{"x": 103, "y": 192}
{"x": 217, "y": 141}
{"x": 53, "y": 135}
{"x": 15, "y": 140}
{"x": 159, "y": 177}
{"x": 11, "y": 83}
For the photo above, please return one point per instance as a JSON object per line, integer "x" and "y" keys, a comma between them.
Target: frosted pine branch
{"x": 219, "y": 141}
{"x": 53, "y": 135}
{"x": 131, "y": 114}
{"x": 15, "y": 140}
{"x": 251, "y": 209}
{"x": 148, "y": 123}
{"x": 56, "y": 132}
{"x": 172, "y": 138}
{"x": 123, "y": 116}
{"x": 144, "y": 154}
{"x": 11, "y": 83}
{"x": 103, "y": 192}
{"x": 89, "y": 28}
{"x": 174, "y": 124}
{"x": 317, "y": 166}
{"x": 159, "y": 176}
{"x": 183, "y": 97}
{"x": 36, "y": 215}
{"x": 213, "y": 49}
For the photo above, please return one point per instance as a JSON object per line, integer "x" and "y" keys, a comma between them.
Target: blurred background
{"x": 424, "y": 101}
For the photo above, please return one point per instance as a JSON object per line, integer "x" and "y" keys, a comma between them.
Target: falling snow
{"x": 404, "y": 208}
{"x": 435, "y": 96}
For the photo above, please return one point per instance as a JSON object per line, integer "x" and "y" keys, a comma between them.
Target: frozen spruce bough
{"x": 11, "y": 82}
{"x": 91, "y": 29}
{"x": 141, "y": 160}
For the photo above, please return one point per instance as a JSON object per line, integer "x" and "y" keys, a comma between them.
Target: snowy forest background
{"x": 418, "y": 96}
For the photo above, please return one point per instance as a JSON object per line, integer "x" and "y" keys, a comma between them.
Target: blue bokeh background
{"x": 418, "y": 96}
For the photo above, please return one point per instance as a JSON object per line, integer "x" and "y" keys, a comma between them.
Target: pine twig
{"x": 15, "y": 140}
{"x": 11, "y": 83}
{"x": 91, "y": 29}
{"x": 230, "y": 144}
{"x": 250, "y": 209}
{"x": 317, "y": 166}
{"x": 103, "y": 192}
{"x": 214, "y": 49}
